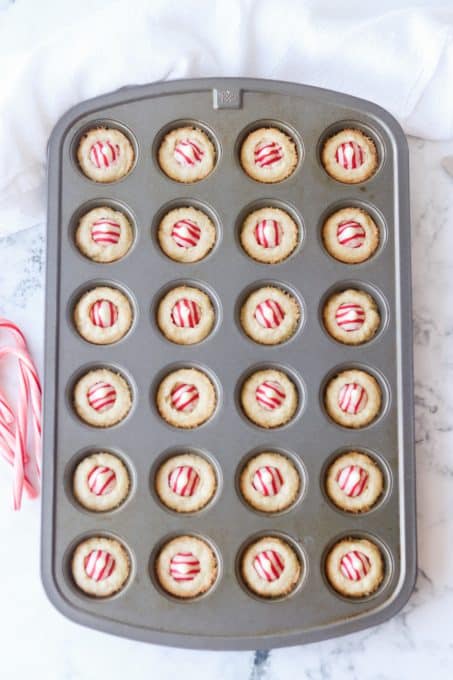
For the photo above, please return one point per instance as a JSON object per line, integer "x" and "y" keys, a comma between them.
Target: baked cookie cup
{"x": 268, "y": 155}
{"x": 269, "y": 482}
{"x": 354, "y": 482}
{"x": 186, "y": 398}
{"x": 270, "y": 567}
{"x": 355, "y": 567}
{"x": 269, "y": 235}
{"x": 186, "y": 234}
{"x": 269, "y": 398}
{"x": 103, "y": 315}
{"x": 351, "y": 317}
{"x": 186, "y": 567}
{"x": 104, "y": 235}
{"x": 102, "y": 398}
{"x": 100, "y": 566}
{"x": 185, "y": 315}
{"x": 270, "y": 315}
{"x": 350, "y": 235}
{"x": 187, "y": 154}
{"x": 101, "y": 482}
{"x": 350, "y": 156}
{"x": 185, "y": 482}
{"x": 105, "y": 154}
{"x": 353, "y": 398}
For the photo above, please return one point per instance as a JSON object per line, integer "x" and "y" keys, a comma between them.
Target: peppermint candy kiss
{"x": 184, "y": 397}
{"x": 105, "y": 232}
{"x": 103, "y": 313}
{"x": 188, "y": 153}
{"x": 267, "y": 480}
{"x": 355, "y": 565}
{"x": 350, "y": 155}
{"x": 350, "y": 316}
{"x": 351, "y": 234}
{"x": 101, "y": 396}
{"x": 269, "y": 314}
{"x": 268, "y": 233}
{"x": 186, "y": 313}
{"x": 104, "y": 154}
{"x": 269, "y": 565}
{"x": 101, "y": 480}
{"x": 186, "y": 233}
{"x": 184, "y": 566}
{"x": 99, "y": 565}
{"x": 352, "y": 398}
{"x": 267, "y": 153}
{"x": 183, "y": 480}
{"x": 270, "y": 395}
{"x": 352, "y": 480}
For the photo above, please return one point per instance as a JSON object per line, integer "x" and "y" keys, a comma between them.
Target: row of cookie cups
{"x": 339, "y": 287}
{"x": 272, "y": 202}
{"x": 294, "y": 376}
{"x": 168, "y": 454}
{"x": 151, "y": 148}
{"x": 299, "y": 546}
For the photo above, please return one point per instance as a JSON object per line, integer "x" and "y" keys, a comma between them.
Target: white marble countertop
{"x": 39, "y": 642}
{"x": 417, "y": 643}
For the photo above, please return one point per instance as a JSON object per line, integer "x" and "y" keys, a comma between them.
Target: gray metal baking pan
{"x": 228, "y": 617}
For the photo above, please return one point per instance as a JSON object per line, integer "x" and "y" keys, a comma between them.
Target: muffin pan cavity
{"x": 203, "y": 388}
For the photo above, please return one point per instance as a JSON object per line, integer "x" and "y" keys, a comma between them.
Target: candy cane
{"x": 20, "y": 436}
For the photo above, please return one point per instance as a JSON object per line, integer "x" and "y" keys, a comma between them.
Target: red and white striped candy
{"x": 101, "y": 480}
{"x": 267, "y": 480}
{"x": 183, "y": 480}
{"x": 350, "y": 155}
{"x": 99, "y": 565}
{"x": 105, "y": 231}
{"x": 350, "y": 316}
{"x": 184, "y": 397}
{"x": 269, "y": 314}
{"x": 352, "y": 479}
{"x": 188, "y": 152}
{"x": 101, "y": 396}
{"x": 352, "y": 398}
{"x": 355, "y": 565}
{"x": 268, "y": 233}
{"x": 186, "y": 233}
{"x": 269, "y": 565}
{"x": 184, "y": 566}
{"x": 270, "y": 395}
{"x": 186, "y": 313}
{"x": 351, "y": 234}
{"x": 104, "y": 154}
{"x": 103, "y": 313}
{"x": 267, "y": 153}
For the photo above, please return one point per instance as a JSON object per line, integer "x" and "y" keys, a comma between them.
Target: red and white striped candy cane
{"x": 20, "y": 445}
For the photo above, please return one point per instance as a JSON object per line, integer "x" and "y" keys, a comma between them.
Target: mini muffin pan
{"x": 228, "y": 616}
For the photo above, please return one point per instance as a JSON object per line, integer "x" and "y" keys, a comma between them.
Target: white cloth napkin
{"x": 402, "y": 60}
